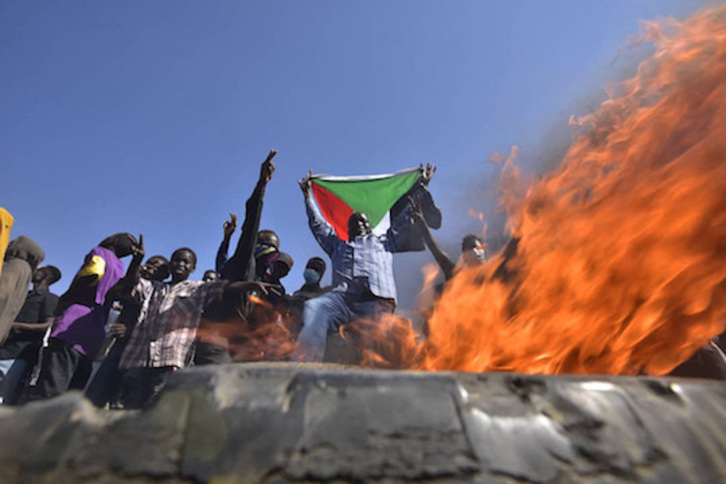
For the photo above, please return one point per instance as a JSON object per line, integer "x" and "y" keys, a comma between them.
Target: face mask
{"x": 311, "y": 277}
{"x": 266, "y": 262}
{"x": 474, "y": 256}
{"x": 264, "y": 249}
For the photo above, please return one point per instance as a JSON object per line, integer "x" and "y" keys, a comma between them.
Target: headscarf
{"x": 21, "y": 258}
{"x": 27, "y": 249}
{"x": 6, "y": 225}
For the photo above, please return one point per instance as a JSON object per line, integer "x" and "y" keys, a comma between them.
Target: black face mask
{"x": 265, "y": 260}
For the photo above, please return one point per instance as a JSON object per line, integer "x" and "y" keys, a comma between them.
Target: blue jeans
{"x": 327, "y": 313}
{"x": 105, "y": 385}
{"x": 13, "y": 370}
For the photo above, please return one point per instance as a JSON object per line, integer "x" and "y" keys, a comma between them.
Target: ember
{"x": 620, "y": 264}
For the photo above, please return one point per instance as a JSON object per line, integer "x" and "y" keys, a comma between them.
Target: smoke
{"x": 478, "y": 208}
{"x": 484, "y": 202}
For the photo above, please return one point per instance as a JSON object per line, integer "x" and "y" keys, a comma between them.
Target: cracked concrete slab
{"x": 328, "y": 423}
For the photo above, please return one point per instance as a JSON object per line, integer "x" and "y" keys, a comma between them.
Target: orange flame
{"x": 620, "y": 262}
{"x": 477, "y": 214}
{"x": 258, "y": 334}
{"x": 618, "y": 259}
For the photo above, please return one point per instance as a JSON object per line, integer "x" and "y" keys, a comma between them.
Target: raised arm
{"x": 323, "y": 232}
{"x": 123, "y": 289}
{"x": 240, "y": 266}
{"x": 228, "y": 229}
{"x": 429, "y": 209}
{"x": 444, "y": 261}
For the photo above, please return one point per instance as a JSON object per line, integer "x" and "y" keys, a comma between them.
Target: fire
{"x": 257, "y": 332}
{"x": 620, "y": 263}
{"x": 474, "y": 213}
{"x": 618, "y": 259}
{"x": 617, "y": 262}
{"x": 479, "y": 215}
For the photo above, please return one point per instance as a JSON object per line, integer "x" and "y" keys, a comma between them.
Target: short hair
{"x": 268, "y": 234}
{"x": 158, "y": 257}
{"x": 317, "y": 264}
{"x": 55, "y": 274}
{"x": 469, "y": 242}
{"x": 187, "y": 249}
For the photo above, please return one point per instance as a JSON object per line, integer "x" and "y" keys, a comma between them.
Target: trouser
{"x": 327, "y": 313}
{"x": 4, "y": 369}
{"x": 5, "y": 366}
{"x": 13, "y": 374}
{"x": 106, "y": 383}
{"x": 17, "y": 375}
{"x": 62, "y": 368}
{"x": 141, "y": 386}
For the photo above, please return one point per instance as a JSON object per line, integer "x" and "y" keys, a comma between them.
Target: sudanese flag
{"x": 339, "y": 196}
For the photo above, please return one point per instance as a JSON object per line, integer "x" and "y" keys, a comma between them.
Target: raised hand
{"x": 427, "y": 173}
{"x": 138, "y": 250}
{"x": 230, "y": 225}
{"x": 268, "y": 167}
{"x": 304, "y": 183}
{"x": 416, "y": 213}
{"x": 264, "y": 288}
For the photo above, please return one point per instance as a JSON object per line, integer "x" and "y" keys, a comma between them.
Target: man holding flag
{"x": 363, "y": 283}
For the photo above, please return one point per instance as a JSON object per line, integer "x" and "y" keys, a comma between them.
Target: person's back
{"x": 6, "y": 225}
{"x": 22, "y": 257}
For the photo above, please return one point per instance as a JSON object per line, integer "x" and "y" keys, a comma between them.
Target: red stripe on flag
{"x": 334, "y": 210}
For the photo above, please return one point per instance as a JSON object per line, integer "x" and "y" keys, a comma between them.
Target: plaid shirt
{"x": 168, "y": 322}
{"x": 366, "y": 261}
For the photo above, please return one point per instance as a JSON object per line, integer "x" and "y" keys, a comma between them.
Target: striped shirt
{"x": 365, "y": 262}
{"x": 168, "y": 322}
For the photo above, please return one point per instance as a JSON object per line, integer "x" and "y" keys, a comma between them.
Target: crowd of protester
{"x": 137, "y": 326}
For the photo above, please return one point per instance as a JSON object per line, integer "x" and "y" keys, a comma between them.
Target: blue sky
{"x": 153, "y": 117}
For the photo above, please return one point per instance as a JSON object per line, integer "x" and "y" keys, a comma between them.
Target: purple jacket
{"x": 82, "y": 326}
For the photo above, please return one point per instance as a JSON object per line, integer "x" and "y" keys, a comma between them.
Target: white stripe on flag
{"x": 383, "y": 225}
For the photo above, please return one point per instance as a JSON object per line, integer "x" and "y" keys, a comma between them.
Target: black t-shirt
{"x": 39, "y": 306}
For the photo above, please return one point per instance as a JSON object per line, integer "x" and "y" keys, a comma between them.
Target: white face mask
{"x": 474, "y": 256}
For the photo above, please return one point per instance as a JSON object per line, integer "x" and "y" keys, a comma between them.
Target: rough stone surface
{"x": 301, "y": 423}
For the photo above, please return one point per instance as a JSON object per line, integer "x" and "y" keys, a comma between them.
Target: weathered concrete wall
{"x": 292, "y": 423}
